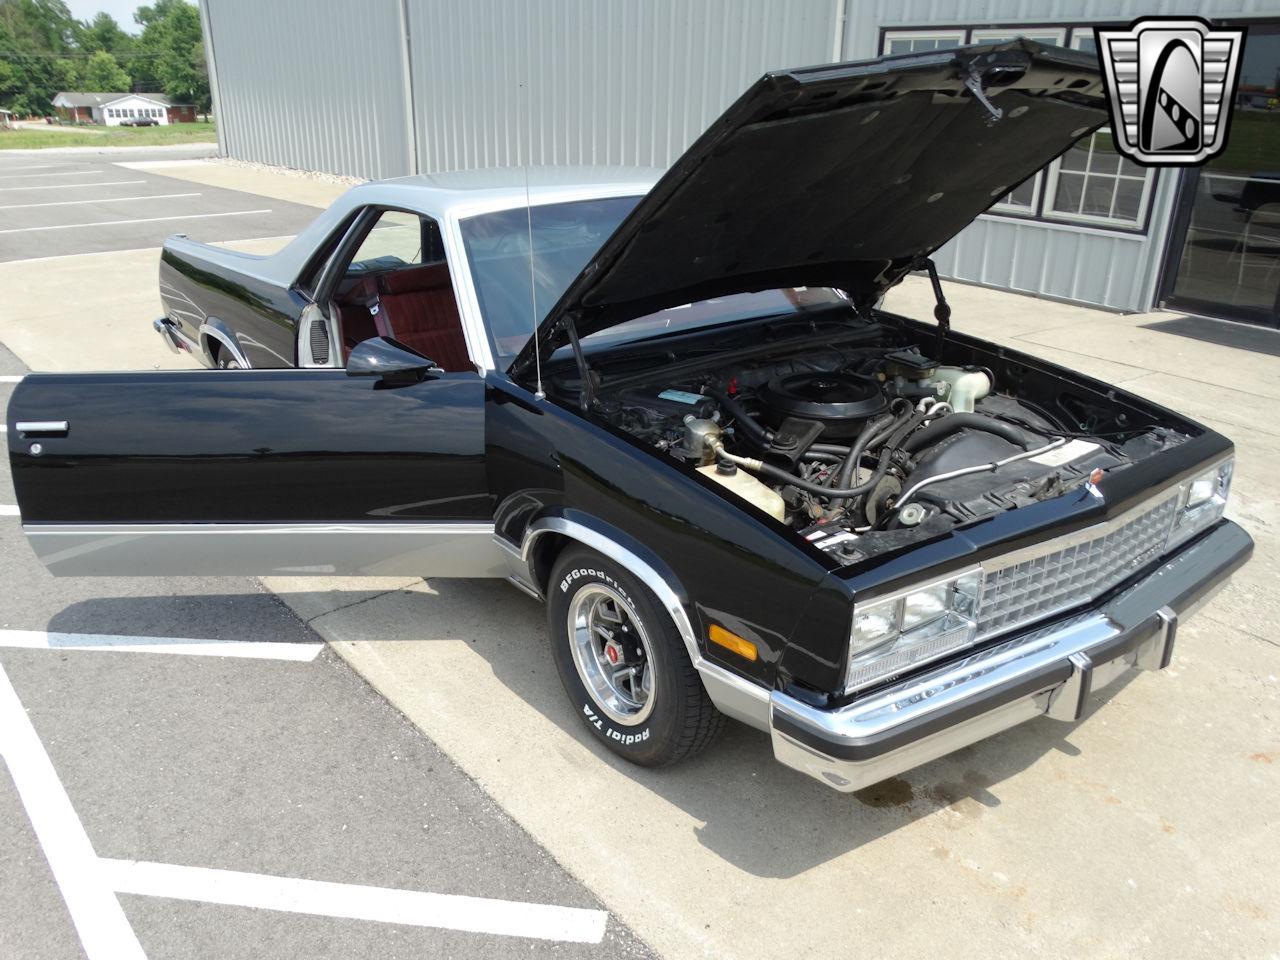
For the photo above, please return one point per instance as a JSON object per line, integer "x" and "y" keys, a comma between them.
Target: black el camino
{"x": 742, "y": 489}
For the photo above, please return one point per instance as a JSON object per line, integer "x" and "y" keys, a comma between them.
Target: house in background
{"x": 110, "y": 109}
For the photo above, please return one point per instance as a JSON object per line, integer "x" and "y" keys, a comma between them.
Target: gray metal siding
{"x": 313, "y": 84}
{"x": 586, "y": 82}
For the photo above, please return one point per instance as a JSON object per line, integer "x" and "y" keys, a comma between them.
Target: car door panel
{"x": 255, "y": 471}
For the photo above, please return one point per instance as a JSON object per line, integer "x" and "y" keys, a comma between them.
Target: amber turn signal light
{"x": 731, "y": 641}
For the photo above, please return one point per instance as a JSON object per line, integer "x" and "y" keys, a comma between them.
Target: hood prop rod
{"x": 941, "y": 309}
{"x": 585, "y": 395}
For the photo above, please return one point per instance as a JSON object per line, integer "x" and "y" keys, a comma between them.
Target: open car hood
{"x": 841, "y": 175}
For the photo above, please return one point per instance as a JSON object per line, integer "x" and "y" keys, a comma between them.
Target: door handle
{"x": 42, "y": 428}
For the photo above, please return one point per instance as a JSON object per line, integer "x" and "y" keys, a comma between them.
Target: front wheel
{"x": 624, "y": 665}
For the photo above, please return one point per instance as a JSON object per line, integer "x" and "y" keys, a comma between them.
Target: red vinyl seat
{"x": 418, "y": 308}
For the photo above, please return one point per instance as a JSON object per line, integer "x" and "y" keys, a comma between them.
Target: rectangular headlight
{"x": 912, "y": 627}
{"x": 1201, "y": 501}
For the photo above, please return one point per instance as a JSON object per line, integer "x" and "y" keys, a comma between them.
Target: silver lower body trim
{"x": 265, "y": 549}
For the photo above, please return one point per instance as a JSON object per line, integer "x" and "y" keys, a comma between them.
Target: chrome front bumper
{"x": 1050, "y": 671}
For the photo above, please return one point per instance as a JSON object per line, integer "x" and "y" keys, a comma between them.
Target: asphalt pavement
{"x": 247, "y": 796}
{"x": 89, "y": 203}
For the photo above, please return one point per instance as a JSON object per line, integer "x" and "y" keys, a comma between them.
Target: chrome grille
{"x": 1069, "y": 571}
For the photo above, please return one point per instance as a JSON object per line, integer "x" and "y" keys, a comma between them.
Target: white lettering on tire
{"x": 626, "y": 739}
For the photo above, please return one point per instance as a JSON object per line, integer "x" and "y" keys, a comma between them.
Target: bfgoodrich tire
{"x": 623, "y": 663}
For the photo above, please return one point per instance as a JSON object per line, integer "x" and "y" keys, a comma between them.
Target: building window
{"x": 915, "y": 41}
{"x": 1091, "y": 181}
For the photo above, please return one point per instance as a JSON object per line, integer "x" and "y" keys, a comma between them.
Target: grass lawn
{"x": 29, "y": 138}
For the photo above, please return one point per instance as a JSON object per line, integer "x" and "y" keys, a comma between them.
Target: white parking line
{"x": 73, "y": 203}
{"x": 67, "y": 173}
{"x": 103, "y": 928}
{"x": 118, "y": 223}
{"x": 509, "y": 918}
{"x": 11, "y": 378}
{"x": 246, "y": 649}
{"x": 9, "y": 510}
{"x": 34, "y": 166}
{"x": 68, "y": 186}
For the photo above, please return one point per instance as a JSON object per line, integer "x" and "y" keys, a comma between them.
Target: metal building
{"x": 384, "y": 88}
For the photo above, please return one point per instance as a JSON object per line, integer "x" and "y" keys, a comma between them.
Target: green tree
{"x": 103, "y": 33}
{"x": 36, "y": 41}
{"x": 103, "y": 75}
{"x": 172, "y": 47}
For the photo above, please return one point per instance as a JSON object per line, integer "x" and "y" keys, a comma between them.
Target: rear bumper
{"x": 1049, "y": 671}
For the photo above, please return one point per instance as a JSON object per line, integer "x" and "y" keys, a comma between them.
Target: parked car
{"x": 741, "y": 488}
{"x": 139, "y": 122}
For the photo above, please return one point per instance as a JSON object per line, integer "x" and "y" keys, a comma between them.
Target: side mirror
{"x": 390, "y": 360}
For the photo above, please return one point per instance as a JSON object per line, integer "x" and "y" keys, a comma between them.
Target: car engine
{"x": 860, "y": 451}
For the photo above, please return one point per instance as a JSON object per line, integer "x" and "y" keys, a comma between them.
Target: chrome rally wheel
{"x": 623, "y": 662}
{"x": 611, "y": 653}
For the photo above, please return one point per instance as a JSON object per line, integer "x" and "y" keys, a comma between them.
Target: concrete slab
{"x": 280, "y": 184}
{"x": 92, "y": 311}
{"x": 998, "y": 848}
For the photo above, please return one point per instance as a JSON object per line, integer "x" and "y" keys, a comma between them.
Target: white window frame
{"x": 1021, "y": 210}
{"x": 1011, "y": 33}
{"x": 957, "y": 35}
{"x": 1144, "y": 201}
{"x": 1051, "y": 180}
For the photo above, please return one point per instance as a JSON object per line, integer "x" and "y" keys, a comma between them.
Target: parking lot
{"x": 428, "y": 748}
{"x": 69, "y": 203}
{"x": 191, "y": 774}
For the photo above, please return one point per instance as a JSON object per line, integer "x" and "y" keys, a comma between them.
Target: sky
{"x": 122, "y": 10}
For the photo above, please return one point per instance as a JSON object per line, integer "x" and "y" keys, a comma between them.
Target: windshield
{"x": 565, "y": 237}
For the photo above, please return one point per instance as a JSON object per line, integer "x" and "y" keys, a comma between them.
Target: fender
{"x": 733, "y": 695}
{"x": 215, "y": 329}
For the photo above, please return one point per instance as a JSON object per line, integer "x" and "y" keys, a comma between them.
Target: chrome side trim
{"x": 213, "y": 330}
{"x": 733, "y": 695}
{"x": 262, "y": 549}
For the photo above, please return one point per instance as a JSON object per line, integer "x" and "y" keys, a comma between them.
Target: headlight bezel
{"x": 875, "y": 655}
{"x": 1197, "y": 511}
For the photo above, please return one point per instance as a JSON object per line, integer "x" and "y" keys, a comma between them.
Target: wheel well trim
{"x": 732, "y": 694}
{"x": 215, "y": 329}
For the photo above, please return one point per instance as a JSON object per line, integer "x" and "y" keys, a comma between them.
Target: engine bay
{"x": 862, "y": 449}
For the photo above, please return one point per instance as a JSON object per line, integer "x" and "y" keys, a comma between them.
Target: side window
{"x": 398, "y": 239}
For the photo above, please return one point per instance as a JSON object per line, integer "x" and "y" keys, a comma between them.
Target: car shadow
{"x": 757, "y": 815}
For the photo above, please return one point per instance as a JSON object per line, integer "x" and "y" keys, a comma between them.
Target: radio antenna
{"x": 528, "y": 218}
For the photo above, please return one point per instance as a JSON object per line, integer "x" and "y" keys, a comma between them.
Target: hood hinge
{"x": 973, "y": 82}
{"x": 941, "y": 309}
{"x": 585, "y": 395}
